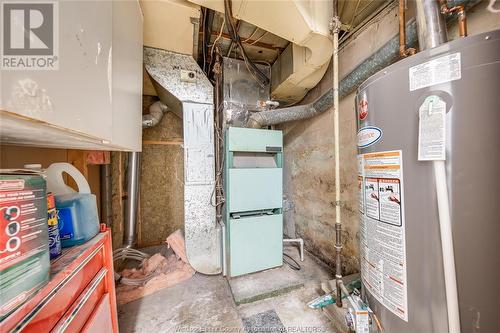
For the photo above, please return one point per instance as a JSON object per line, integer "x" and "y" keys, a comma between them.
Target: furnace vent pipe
{"x": 387, "y": 54}
{"x": 431, "y": 27}
{"x": 133, "y": 174}
{"x": 156, "y": 111}
{"x": 292, "y": 113}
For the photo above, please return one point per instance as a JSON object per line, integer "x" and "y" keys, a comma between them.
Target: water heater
{"x": 441, "y": 104}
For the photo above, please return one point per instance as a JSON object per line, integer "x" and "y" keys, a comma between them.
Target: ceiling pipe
{"x": 403, "y": 51}
{"x": 460, "y": 10}
{"x": 383, "y": 57}
{"x": 387, "y": 54}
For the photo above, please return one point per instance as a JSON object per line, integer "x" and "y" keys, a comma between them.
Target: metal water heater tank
{"x": 442, "y": 103}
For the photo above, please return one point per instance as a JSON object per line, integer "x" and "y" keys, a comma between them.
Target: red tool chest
{"x": 80, "y": 296}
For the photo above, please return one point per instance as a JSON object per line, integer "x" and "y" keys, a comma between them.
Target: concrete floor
{"x": 207, "y": 304}
{"x": 274, "y": 282}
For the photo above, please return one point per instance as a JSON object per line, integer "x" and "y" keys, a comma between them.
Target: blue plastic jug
{"x": 77, "y": 211}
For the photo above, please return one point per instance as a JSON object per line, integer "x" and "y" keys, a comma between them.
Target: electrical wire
{"x": 250, "y": 37}
{"x": 218, "y": 190}
{"x": 203, "y": 37}
{"x": 131, "y": 254}
{"x": 262, "y": 79}
{"x": 217, "y": 39}
{"x": 258, "y": 39}
{"x": 293, "y": 264}
{"x": 377, "y": 322}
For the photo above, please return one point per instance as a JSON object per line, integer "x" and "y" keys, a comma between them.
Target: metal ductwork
{"x": 299, "y": 112}
{"x": 305, "y": 24}
{"x": 182, "y": 85}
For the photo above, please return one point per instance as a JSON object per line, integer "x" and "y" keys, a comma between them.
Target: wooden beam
{"x": 168, "y": 143}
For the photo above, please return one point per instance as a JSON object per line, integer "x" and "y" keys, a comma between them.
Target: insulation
{"x": 299, "y": 112}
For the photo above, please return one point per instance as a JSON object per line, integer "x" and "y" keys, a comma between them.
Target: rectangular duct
{"x": 185, "y": 89}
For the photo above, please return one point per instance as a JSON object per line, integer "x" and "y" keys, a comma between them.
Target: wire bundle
{"x": 131, "y": 254}
{"x": 252, "y": 68}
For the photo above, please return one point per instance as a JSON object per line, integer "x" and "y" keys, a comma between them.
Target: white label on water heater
{"x": 432, "y": 129}
{"x": 436, "y": 71}
{"x": 383, "y": 244}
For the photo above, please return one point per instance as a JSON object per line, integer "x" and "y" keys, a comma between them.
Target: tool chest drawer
{"x": 80, "y": 278}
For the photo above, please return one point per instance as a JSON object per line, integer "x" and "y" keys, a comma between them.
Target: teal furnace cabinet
{"x": 253, "y": 187}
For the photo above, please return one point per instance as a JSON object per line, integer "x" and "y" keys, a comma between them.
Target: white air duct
{"x": 304, "y": 23}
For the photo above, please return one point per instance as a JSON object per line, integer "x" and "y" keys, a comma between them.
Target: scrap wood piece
{"x": 176, "y": 242}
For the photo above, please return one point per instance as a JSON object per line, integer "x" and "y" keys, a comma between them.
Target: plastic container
{"x": 77, "y": 211}
{"x": 53, "y": 225}
{"x": 24, "y": 239}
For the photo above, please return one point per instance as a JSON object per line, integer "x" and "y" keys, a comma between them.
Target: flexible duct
{"x": 298, "y": 112}
{"x": 156, "y": 111}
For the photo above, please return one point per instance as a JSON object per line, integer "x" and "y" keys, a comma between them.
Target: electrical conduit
{"x": 335, "y": 27}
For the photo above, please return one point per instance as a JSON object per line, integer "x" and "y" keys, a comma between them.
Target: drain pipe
{"x": 106, "y": 194}
{"x": 431, "y": 30}
{"x": 335, "y": 27}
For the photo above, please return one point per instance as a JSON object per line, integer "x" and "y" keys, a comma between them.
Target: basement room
{"x": 249, "y": 166}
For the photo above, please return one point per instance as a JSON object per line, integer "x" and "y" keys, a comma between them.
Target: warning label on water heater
{"x": 432, "y": 129}
{"x": 383, "y": 246}
{"x": 440, "y": 70}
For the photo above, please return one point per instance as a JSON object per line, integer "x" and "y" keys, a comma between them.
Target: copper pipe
{"x": 460, "y": 11}
{"x": 403, "y": 51}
